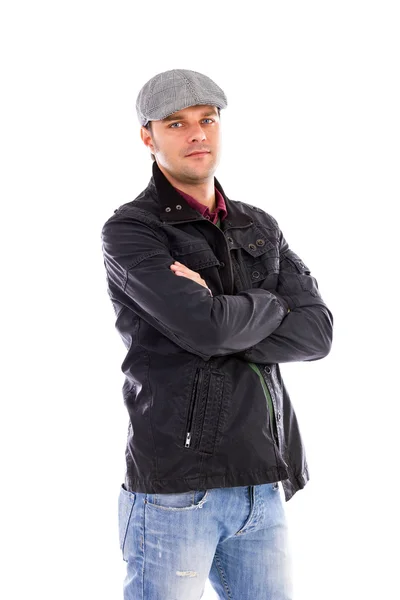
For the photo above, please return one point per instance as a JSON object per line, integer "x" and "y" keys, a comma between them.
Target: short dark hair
{"x": 148, "y": 127}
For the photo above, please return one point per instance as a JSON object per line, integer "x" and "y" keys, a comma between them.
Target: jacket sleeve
{"x": 305, "y": 334}
{"x": 137, "y": 262}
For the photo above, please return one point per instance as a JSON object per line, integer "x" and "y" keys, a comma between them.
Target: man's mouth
{"x": 201, "y": 153}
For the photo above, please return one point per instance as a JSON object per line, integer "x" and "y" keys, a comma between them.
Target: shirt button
{"x": 267, "y": 370}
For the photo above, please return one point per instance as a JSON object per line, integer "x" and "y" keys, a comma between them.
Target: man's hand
{"x": 180, "y": 269}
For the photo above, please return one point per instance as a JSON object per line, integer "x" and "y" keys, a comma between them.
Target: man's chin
{"x": 199, "y": 170}
{"x": 191, "y": 173}
{"x": 199, "y": 174}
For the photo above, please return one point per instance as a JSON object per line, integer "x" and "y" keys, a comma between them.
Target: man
{"x": 209, "y": 300}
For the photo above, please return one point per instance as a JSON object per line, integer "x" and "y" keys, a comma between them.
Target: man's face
{"x": 192, "y": 129}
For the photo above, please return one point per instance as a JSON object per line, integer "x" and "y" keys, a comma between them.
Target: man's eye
{"x": 179, "y": 123}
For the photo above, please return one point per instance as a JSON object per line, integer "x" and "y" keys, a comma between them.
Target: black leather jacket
{"x": 207, "y": 404}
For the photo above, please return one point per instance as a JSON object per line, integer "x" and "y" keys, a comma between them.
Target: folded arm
{"x": 137, "y": 262}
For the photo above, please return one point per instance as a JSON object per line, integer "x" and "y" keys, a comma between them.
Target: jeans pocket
{"x": 126, "y": 502}
{"x": 177, "y": 501}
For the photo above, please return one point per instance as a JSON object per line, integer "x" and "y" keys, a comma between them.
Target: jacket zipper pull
{"x": 188, "y": 438}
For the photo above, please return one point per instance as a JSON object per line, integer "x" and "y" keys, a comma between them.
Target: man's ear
{"x": 146, "y": 137}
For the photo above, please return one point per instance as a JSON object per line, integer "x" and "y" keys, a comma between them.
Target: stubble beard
{"x": 199, "y": 174}
{"x": 190, "y": 174}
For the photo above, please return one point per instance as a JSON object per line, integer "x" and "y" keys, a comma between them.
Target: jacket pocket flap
{"x": 196, "y": 255}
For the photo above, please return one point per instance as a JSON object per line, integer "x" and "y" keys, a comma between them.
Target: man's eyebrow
{"x": 208, "y": 113}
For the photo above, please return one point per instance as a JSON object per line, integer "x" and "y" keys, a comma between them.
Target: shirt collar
{"x": 220, "y": 209}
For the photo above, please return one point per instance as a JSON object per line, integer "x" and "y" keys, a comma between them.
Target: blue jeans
{"x": 236, "y": 537}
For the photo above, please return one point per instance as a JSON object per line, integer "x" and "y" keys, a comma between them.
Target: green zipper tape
{"x": 266, "y": 392}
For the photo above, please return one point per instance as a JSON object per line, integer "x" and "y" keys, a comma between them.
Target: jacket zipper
{"x": 274, "y": 428}
{"x": 196, "y": 387}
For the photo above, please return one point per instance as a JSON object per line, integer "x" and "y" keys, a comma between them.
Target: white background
{"x": 311, "y": 134}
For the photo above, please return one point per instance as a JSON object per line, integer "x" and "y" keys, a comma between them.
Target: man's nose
{"x": 196, "y": 132}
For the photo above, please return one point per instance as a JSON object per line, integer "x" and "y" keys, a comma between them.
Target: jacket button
{"x": 255, "y": 274}
{"x": 230, "y": 240}
{"x": 260, "y": 242}
{"x": 178, "y": 206}
{"x": 267, "y": 370}
{"x": 252, "y": 247}
{"x": 278, "y": 416}
{"x": 168, "y": 209}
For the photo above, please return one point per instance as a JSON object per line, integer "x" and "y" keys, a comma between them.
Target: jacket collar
{"x": 169, "y": 200}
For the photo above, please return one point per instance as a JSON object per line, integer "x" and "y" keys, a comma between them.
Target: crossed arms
{"x": 253, "y": 324}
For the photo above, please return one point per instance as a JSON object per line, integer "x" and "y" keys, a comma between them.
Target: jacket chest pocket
{"x": 257, "y": 258}
{"x": 203, "y": 416}
{"x": 196, "y": 256}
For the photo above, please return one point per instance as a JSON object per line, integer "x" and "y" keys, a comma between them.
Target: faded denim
{"x": 237, "y": 537}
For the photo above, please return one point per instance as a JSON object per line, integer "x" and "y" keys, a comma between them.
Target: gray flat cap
{"x": 173, "y": 90}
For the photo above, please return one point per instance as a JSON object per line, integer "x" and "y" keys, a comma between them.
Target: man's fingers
{"x": 179, "y": 266}
{"x": 180, "y": 269}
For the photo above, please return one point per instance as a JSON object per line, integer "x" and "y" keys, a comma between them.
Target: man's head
{"x": 179, "y": 111}
{"x": 173, "y": 141}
